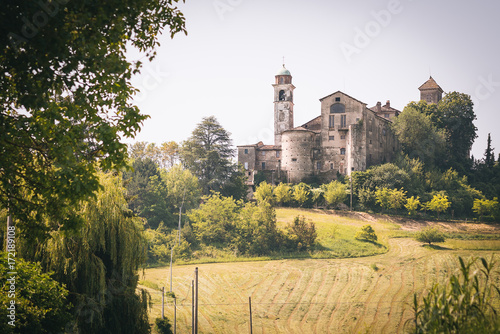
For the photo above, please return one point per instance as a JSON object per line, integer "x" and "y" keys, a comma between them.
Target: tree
{"x": 367, "y": 233}
{"x": 419, "y": 136}
{"x": 439, "y": 203}
{"x": 484, "y": 207}
{"x": 208, "y": 153}
{"x": 467, "y": 304}
{"x": 412, "y": 205}
{"x": 65, "y": 97}
{"x": 264, "y": 193}
{"x": 429, "y": 235}
{"x": 455, "y": 115}
{"x": 301, "y": 193}
{"x": 99, "y": 263}
{"x": 282, "y": 193}
{"x": 165, "y": 156}
{"x": 163, "y": 326}
{"x": 489, "y": 155}
{"x": 41, "y": 304}
{"x": 334, "y": 193}
{"x": 383, "y": 197}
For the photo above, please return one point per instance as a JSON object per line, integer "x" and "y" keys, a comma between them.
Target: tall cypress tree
{"x": 489, "y": 155}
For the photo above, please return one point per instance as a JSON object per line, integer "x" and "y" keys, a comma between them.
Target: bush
{"x": 163, "y": 326}
{"x": 301, "y": 235}
{"x": 465, "y": 305}
{"x": 367, "y": 233}
{"x": 430, "y": 235}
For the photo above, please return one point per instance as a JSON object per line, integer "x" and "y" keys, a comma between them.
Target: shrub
{"x": 301, "y": 235}
{"x": 367, "y": 233}
{"x": 264, "y": 193}
{"x": 334, "y": 193}
{"x": 301, "y": 193}
{"x": 412, "y": 205}
{"x": 163, "y": 326}
{"x": 464, "y": 305}
{"x": 430, "y": 235}
{"x": 283, "y": 193}
{"x": 439, "y": 203}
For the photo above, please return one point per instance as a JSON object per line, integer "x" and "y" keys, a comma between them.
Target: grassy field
{"x": 353, "y": 295}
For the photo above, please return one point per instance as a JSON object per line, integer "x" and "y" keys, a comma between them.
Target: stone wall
{"x": 297, "y": 150}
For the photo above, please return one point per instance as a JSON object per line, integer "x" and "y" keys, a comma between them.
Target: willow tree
{"x": 100, "y": 263}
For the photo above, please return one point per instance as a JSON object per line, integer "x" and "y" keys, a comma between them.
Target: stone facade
{"x": 347, "y": 136}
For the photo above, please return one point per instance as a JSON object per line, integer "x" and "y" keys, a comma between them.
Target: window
{"x": 263, "y": 153}
{"x": 282, "y": 94}
{"x": 331, "y": 165}
{"x": 246, "y": 151}
{"x": 342, "y": 136}
{"x": 337, "y": 99}
{"x": 281, "y": 80}
{"x": 337, "y": 108}
{"x": 277, "y": 154}
{"x": 246, "y": 165}
{"x": 294, "y": 159}
{"x": 342, "y": 151}
{"x": 318, "y": 165}
{"x": 386, "y": 115}
{"x": 331, "y": 121}
{"x": 343, "y": 121}
{"x": 331, "y": 137}
{"x": 249, "y": 173}
{"x": 263, "y": 165}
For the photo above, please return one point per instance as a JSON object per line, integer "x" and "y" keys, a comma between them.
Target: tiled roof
{"x": 312, "y": 125}
{"x": 430, "y": 84}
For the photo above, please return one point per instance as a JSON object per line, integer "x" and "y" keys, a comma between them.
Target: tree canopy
{"x": 65, "y": 95}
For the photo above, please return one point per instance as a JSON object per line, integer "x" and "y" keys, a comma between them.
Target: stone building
{"x": 347, "y": 136}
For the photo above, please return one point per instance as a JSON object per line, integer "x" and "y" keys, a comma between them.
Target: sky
{"x": 372, "y": 50}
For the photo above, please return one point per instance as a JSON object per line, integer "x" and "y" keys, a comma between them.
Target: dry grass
{"x": 311, "y": 295}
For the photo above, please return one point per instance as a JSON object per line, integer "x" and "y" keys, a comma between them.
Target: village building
{"x": 347, "y": 136}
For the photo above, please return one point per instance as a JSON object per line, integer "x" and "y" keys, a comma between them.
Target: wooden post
{"x": 171, "y": 255}
{"x": 163, "y": 302}
{"x": 192, "y": 307}
{"x": 175, "y": 315}
{"x": 250, "y": 306}
{"x": 196, "y": 301}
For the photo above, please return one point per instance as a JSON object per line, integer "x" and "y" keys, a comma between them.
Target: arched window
{"x": 337, "y": 108}
{"x": 282, "y": 95}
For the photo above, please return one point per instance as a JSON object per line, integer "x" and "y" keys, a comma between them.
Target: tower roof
{"x": 430, "y": 84}
{"x": 283, "y": 71}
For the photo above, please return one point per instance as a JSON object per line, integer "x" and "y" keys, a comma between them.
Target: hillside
{"x": 371, "y": 293}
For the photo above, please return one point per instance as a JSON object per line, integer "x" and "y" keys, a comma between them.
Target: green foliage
{"x": 283, "y": 193}
{"x": 264, "y": 193}
{"x": 183, "y": 190}
{"x": 214, "y": 222}
{"x": 430, "y": 235}
{"x": 465, "y": 305}
{"x": 301, "y": 193}
{"x": 439, "y": 203}
{"x": 485, "y": 207}
{"x": 40, "y": 302}
{"x": 383, "y": 196}
{"x": 99, "y": 264}
{"x": 163, "y": 326}
{"x": 164, "y": 156}
{"x": 208, "y": 155}
{"x": 334, "y": 193}
{"x": 419, "y": 136}
{"x": 367, "y": 233}
{"x": 301, "y": 235}
{"x": 316, "y": 196}
{"x": 412, "y": 205}
{"x": 65, "y": 96}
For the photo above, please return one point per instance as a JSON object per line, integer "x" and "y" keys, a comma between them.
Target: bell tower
{"x": 283, "y": 103}
{"x": 430, "y": 91}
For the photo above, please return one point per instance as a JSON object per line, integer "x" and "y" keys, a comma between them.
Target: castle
{"x": 347, "y": 136}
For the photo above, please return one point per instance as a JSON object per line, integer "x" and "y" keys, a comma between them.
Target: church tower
{"x": 430, "y": 91}
{"x": 283, "y": 103}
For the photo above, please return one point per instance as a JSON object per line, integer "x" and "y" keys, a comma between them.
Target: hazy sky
{"x": 372, "y": 50}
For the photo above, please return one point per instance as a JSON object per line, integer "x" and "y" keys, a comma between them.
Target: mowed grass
{"x": 370, "y": 294}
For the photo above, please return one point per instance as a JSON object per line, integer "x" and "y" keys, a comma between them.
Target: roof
{"x": 312, "y": 125}
{"x": 283, "y": 71}
{"x": 270, "y": 147}
{"x": 430, "y": 84}
{"x": 343, "y": 94}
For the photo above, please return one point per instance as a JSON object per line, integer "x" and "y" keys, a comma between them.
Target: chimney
{"x": 379, "y": 105}
{"x": 388, "y": 104}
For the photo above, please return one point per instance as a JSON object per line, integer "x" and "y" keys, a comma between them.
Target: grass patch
{"x": 489, "y": 245}
{"x": 149, "y": 284}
